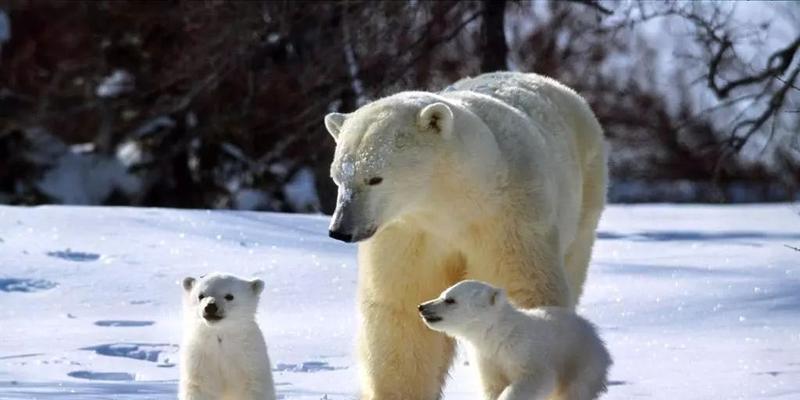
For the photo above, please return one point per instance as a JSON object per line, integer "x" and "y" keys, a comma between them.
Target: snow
{"x": 301, "y": 191}
{"x": 695, "y": 302}
{"x": 250, "y": 199}
{"x": 116, "y": 84}
{"x": 86, "y": 178}
{"x": 5, "y": 27}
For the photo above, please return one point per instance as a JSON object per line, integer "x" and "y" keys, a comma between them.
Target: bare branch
{"x": 777, "y": 64}
{"x": 594, "y": 4}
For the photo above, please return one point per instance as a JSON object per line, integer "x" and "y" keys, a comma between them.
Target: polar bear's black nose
{"x": 211, "y": 308}
{"x": 345, "y": 237}
{"x": 421, "y": 307}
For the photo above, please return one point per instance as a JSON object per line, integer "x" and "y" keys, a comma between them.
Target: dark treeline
{"x": 220, "y": 104}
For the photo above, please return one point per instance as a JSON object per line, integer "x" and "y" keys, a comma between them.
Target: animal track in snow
{"x": 102, "y": 376}
{"x": 77, "y": 256}
{"x": 123, "y": 323}
{"x": 306, "y": 366}
{"x": 154, "y": 352}
{"x": 25, "y": 285}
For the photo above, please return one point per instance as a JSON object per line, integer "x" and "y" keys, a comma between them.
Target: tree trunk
{"x": 493, "y": 37}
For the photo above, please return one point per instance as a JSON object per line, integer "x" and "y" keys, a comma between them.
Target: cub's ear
{"x": 188, "y": 283}
{"x": 257, "y": 285}
{"x": 333, "y": 123}
{"x": 498, "y": 296}
{"x": 437, "y": 117}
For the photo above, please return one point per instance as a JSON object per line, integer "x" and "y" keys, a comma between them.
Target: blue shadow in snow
{"x": 25, "y": 285}
{"x": 137, "y": 351}
{"x": 90, "y": 390}
{"x": 123, "y": 323}
{"x": 70, "y": 255}
{"x": 102, "y": 376}
{"x": 668, "y": 236}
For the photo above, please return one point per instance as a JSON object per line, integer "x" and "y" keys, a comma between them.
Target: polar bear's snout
{"x": 428, "y": 312}
{"x": 347, "y": 224}
{"x": 340, "y": 235}
{"x": 211, "y": 312}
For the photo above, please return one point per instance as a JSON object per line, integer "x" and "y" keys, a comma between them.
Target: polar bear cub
{"x": 546, "y": 352}
{"x": 223, "y": 355}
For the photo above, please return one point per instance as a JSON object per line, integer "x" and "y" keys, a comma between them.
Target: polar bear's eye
{"x": 201, "y": 297}
{"x": 229, "y": 297}
{"x": 449, "y": 301}
{"x": 374, "y": 181}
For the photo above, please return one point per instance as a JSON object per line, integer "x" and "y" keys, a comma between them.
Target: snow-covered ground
{"x": 695, "y": 302}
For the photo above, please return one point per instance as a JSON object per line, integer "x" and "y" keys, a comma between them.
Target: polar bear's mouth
{"x": 430, "y": 317}
{"x": 212, "y": 317}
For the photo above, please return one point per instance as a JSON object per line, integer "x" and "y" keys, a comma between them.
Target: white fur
{"x": 501, "y": 178}
{"x": 227, "y": 358}
{"x": 530, "y": 354}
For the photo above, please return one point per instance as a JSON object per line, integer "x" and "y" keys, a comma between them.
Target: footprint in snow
{"x": 306, "y": 366}
{"x": 152, "y": 352}
{"x": 123, "y": 323}
{"x": 25, "y": 285}
{"x": 77, "y": 256}
{"x": 102, "y": 376}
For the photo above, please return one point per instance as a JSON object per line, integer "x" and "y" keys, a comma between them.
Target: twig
{"x": 595, "y": 4}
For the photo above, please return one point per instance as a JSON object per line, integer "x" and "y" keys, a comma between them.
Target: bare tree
{"x": 494, "y": 49}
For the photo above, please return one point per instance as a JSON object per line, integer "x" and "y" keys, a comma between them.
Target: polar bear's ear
{"x": 498, "y": 296}
{"x": 333, "y": 123}
{"x": 257, "y": 285}
{"x": 436, "y": 117}
{"x": 188, "y": 283}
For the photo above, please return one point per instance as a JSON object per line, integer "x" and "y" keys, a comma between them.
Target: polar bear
{"x": 223, "y": 354}
{"x": 522, "y": 355}
{"x": 500, "y": 178}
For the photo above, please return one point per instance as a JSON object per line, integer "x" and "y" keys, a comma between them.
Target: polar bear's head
{"x": 463, "y": 306}
{"x": 216, "y": 298}
{"x": 387, "y": 154}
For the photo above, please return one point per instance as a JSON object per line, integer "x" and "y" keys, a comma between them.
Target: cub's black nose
{"x": 211, "y": 308}
{"x": 345, "y": 237}
{"x": 420, "y": 307}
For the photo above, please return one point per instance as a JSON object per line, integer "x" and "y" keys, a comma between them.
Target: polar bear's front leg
{"x": 537, "y": 386}
{"x": 492, "y": 379}
{"x": 400, "y": 358}
{"x": 190, "y": 391}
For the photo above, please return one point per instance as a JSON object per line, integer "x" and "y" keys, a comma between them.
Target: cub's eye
{"x": 449, "y": 301}
{"x": 229, "y": 297}
{"x": 374, "y": 181}
{"x": 201, "y": 297}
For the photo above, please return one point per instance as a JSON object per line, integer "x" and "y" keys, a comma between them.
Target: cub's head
{"x": 385, "y": 160}
{"x": 462, "y": 306}
{"x": 216, "y": 298}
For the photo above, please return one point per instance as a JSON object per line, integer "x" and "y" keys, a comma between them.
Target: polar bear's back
{"x": 547, "y": 102}
{"x": 546, "y": 133}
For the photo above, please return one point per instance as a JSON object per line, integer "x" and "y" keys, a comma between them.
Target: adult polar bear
{"x": 499, "y": 178}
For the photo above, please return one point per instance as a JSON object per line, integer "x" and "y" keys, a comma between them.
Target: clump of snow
{"x": 301, "y": 191}
{"x": 86, "y": 178}
{"x": 251, "y": 199}
{"x": 347, "y": 168}
{"x": 279, "y": 169}
{"x": 77, "y": 174}
{"x": 154, "y": 125}
{"x": 130, "y": 153}
{"x": 5, "y": 27}
{"x": 116, "y": 84}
